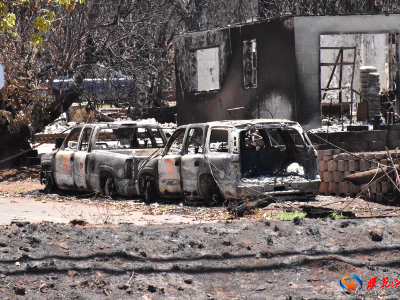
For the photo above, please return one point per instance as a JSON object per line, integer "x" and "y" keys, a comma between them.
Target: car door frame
{"x": 64, "y": 164}
{"x": 193, "y": 164}
{"x": 81, "y": 160}
{"x": 168, "y": 166}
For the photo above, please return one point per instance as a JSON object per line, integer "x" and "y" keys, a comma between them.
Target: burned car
{"x": 101, "y": 157}
{"x": 233, "y": 159}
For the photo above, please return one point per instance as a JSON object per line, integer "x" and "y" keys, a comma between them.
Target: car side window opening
{"x": 194, "y": 144}
{"x": 85, "y": 139}
{"x": 71, "y": 142}
{"x": 256, "y": 138}
{"x": 157, "y": 136}
{"x": 126, "y": 138}
{"x": 219, "y": 140}
{"x": 270, "y": 151}
{"x": 174, "y": 145}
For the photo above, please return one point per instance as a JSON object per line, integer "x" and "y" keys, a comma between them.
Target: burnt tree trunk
{"x": 12, "y": 143}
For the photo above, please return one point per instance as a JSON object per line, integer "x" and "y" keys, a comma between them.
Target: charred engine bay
{"x": 299, "y": 259}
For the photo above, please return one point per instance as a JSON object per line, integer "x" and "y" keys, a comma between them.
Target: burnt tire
{"x": 211, "y": 196}
{"x": 151, "y": 192}
{"x": 109, "y": 187}
{"x": 50, "y": 184}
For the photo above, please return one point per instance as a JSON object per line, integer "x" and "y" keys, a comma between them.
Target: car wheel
{"x": 151, "y": 192}
{"x": 49, "y": 184}
{"x": 109, "y": 187}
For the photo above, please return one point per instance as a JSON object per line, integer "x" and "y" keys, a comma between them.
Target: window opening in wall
{"x": 250, "y": 64}
{"x": 205, "y": 70}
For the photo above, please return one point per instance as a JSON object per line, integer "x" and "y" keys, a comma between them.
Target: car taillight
{"x": 128, "y": 168}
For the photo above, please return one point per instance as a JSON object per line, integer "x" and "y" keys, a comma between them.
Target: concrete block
{"x": 333, "y": 188}
{"x": 384, "y": 187}
{"x": 328, "y": 176}
{"x": 321, "y": 176}
{"x": 354, "y": 189}
{"x": 354, "y": 165}
{"x": 378, "y": 198}
{"x": 339, "y": 156}
{"x": 368, "y": 136}
{"x": 393, "y": 135}
{"x": 335, "y": 137}
{"x": 349, "y": 136}
{"x": 364, "y": 165}
{"x": 373, "y": 187}
{"x": 393, "y": 144}
{"x": 344, "y": 187}
{"x": 323, "y": 166}
{"x": 341, "y": 165}
{"x": 347, "y": 173}
{"x": 338, "y": 176}
{"x": 342, "y": 145}
{"x": 327, "y": 157}
{"x": 358, "y": 146}
{"x": 332, "y": 165}
{"x": 327, "y": 152}
{"x": 324, "y": 188}
{"x": 365, "y": 188}
{"x": 346, "y": 165}
{"x": 380, "y": 155}
{"x": 369, "y": 156}
{"x": 320, "y": 154}
{"x": 381, "y": 135}
{"x": 374, "y": 165}
{"x": 335, "y": 151}
{"x": 347, "y": 156}
{"x": 390, "y": 187}
{"x": 390, "y": 196}
{"x": 376, "y": 146}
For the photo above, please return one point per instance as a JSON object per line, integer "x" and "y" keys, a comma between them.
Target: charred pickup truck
{"x": 101, "y": 157}
{"x": 231, "y": 160}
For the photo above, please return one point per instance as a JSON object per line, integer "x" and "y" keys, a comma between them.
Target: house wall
{"x": 275, "y": 73}
{"x": 307, "y": 42}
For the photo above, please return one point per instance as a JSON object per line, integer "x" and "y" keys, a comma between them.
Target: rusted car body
{"x": 233, "y": 159}
{"x": 101, "y": 157}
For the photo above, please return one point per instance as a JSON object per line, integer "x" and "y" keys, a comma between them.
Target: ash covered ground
{"x": 299, "y": 259}
{"x": 250, "y": 258}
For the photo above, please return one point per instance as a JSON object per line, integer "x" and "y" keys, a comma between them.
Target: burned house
{"x": 280, "y": 68}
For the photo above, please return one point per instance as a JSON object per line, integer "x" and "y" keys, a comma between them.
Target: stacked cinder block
{"x": 357, "y": 141}
{"x": 334, "y": 166}
{"x": 370, "y": 88}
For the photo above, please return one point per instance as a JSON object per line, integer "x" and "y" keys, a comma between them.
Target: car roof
{"x": 120, "y": 124}
{"x": 237, "y": 123}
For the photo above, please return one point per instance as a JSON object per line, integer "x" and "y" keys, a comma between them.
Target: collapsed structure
{"x": 281, "y": 68}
